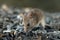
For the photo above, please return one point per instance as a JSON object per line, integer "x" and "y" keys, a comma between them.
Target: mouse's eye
{"x": 28, "y": 24}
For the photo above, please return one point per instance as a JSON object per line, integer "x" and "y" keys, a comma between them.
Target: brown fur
{"x": 33, "y": 17}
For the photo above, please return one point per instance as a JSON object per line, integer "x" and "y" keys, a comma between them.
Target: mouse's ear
{"x": 30, "y": 14}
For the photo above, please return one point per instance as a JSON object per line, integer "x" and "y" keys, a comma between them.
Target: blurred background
{"x": 46, "y": 5}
